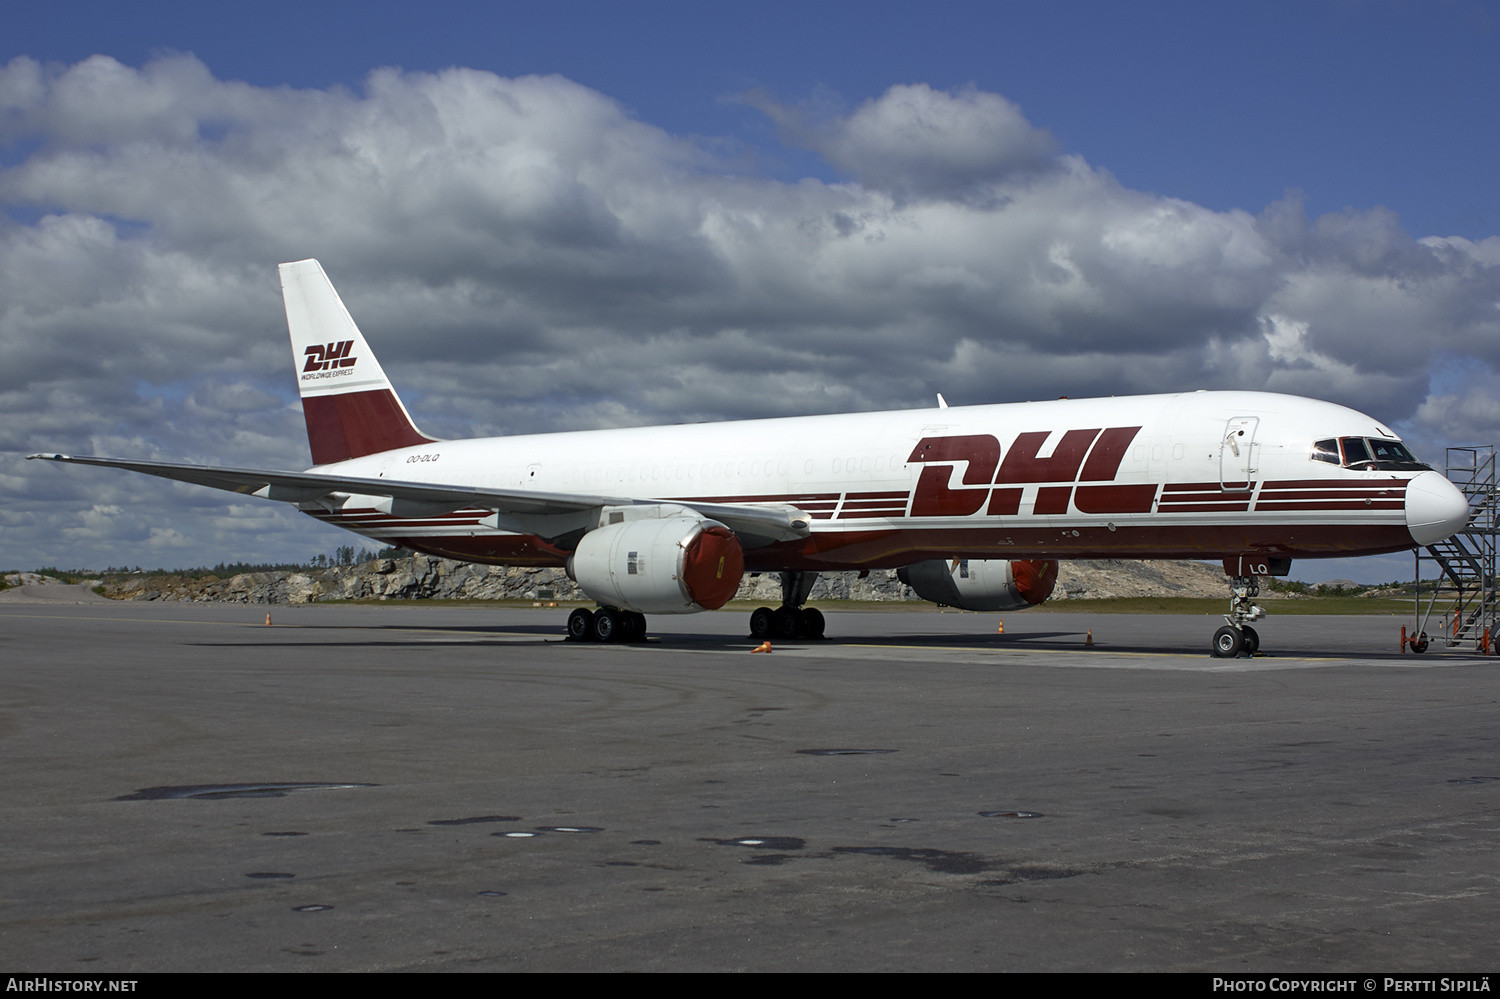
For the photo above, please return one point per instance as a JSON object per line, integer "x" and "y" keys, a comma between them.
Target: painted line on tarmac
{"x": 1095, "y": 651}
{"x": 1415, "y": 662}
{"x": 1078, "y": 658}
{"x": 259, "y": 626}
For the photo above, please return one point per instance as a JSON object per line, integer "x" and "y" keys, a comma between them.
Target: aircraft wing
{"x": 757, "y": 524}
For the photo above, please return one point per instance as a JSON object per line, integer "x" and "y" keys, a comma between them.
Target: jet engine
{"x": 982, "y": 584}
{"x": 673, "y": 565}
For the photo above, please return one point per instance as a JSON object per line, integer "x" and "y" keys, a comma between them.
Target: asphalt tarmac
{"x": 915, "y": 793}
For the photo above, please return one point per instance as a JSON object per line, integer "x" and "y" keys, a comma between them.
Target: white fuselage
{"x": 1189, "y": 475}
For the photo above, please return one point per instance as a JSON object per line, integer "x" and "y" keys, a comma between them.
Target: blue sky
{"x": 1355, "y": 104}
{"x": 1306, "y": 185}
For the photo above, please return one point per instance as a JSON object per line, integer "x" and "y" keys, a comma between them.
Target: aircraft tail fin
{"x": 349, "y": 405}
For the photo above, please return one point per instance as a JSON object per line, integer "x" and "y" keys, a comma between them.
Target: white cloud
{"x": 1466, "y": 411}
{"x": 525, "y": 256}
{"x": 914, "y": 140}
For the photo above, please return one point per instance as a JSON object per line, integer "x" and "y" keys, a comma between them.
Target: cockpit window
{"x": 1390, "y": 451}
{"x": 1355, "y": 450}
{"x": 1366, "y": 453}
{"x": 1326, "y": 451}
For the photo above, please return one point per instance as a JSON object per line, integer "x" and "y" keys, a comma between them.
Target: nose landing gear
{"x": 1237, "y": 637}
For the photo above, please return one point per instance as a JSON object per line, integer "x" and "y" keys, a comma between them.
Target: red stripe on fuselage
{"x": 891, "y": 548}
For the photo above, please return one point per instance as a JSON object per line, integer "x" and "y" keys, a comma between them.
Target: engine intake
{"x": 982, "y": 584}
{"x": 674, "y": 565}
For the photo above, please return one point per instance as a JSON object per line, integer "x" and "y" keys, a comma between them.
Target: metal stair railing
{"x": 1465, "y": 578}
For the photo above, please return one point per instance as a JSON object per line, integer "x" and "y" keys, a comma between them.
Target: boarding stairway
{"x": 1462, "y": 568}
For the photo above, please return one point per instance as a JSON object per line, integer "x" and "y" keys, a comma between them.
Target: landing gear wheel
{"x": 607, "y": 625}
{"x": 581, "y": 626}
{"x": 1228, "y": 642}
{"x": 1419, "y": 644}
{"x": 786, "y": 622}
{"x": 1252, "y": 640}
{"x": 760, "y": 622}
{"x": 637, "y": 629}
{"x": 812, "y": 622}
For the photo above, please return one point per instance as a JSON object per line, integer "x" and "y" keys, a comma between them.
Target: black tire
{"x": 581, "y": 625}
{"x": 1228, "y": 642}
{"x": 812, "y": 622}
{"x": 786, "y": 622}
{"x": 760, "y": 622}
{"x": 607, "y": 625}
{"x": 637, "y": 627}
{"x": 1252, "y": 640}
{"x": 1419, "y": 644}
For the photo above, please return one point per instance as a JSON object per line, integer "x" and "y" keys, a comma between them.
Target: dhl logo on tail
{"x": 334, "y": 355}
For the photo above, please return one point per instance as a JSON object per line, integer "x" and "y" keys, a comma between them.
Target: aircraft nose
{"x": 1435, "y": 508}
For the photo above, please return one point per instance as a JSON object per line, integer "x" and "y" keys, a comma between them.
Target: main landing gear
{"x": 607, "y": 624}
{"x": 791, "y": 619}
{"x": 1237, "y": 637}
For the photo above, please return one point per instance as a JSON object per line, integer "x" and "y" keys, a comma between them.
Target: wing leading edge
{"x": 523, "y": 511}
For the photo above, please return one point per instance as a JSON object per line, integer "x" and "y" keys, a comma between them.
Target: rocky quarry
{"x": 422, "y": 577}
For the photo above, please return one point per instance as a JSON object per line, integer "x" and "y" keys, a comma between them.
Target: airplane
{"x": 973, "y": 505}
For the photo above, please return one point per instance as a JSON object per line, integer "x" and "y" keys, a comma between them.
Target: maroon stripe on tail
{"x": 340, "y": 427}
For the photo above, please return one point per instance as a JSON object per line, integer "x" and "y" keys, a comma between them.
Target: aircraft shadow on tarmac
{"x": 1063, "y": 640}
{"x": 397, "y": 636}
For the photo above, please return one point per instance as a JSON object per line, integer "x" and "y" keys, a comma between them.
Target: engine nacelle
{"x": 673, "y": 565}
{"x": 982, "y": 584}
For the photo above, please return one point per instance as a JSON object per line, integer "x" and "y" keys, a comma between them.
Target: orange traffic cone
{"x": 1000, "y": 630}
{"x": 764, "y": 647}
{"x": 1088, "y": 640}
{"x": 268, "y": 619}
